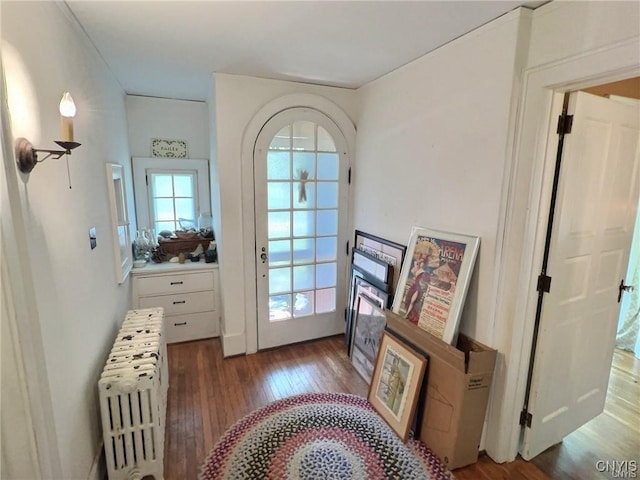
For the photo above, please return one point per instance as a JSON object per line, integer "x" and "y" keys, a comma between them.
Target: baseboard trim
{"x": 234, "y": 344}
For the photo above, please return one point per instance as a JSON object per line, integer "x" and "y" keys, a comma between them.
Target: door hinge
{"x": 544, "y": 283}
{"x": 146, "y": 180}
{"x": 349, "y": 176}
{"x": 565, "y": 122}
{"x": 347, "y": 249}
{"x": 525, "y": 418}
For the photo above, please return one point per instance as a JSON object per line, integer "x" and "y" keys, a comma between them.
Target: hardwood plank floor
{"x": 207, "y": 394}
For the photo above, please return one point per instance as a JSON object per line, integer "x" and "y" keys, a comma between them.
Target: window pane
{"x": 325, "y": 300}
{"x": 325, "y": 275}
{"x": 183, "y": 185}
{"x": 303, "y": 305}
{"x": 160, "y": 226}
{"x": 325, "y": 141}
{"x": 306, "y": 162}
{"x": 303, "y": 277}
{"x": 327, "y": 166}
{"x": 327, "y": 222}
{"x": 279, "y": 225}
{"x": 278, "y": 166}
{"x": 279, "y": 252}
{"x": 279, "y": 195}
{"x": 186, "y": 208}
{"x": 309, "y": 191}
{"x": 163, "y": 209}
{"x": 327, "y": 195}
{"x": 327, "y": 248}
{"x": 304, "y": 136}
{"x": 279, "y": 280}
{"x": 281, "y": 140}
{"x": 161, "y": 185}
{"x": 303, "y": 251}
{"x": 279, "y": 307}
{"x": 303, "y": 224}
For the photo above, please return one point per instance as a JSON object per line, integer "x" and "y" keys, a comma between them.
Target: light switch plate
{"x": 92, "y": 237}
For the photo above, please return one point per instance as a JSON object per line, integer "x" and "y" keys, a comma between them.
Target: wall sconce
{"x": 27, "y": 156}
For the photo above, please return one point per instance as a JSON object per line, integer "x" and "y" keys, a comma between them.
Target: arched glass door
{"x": 301, "y": 197}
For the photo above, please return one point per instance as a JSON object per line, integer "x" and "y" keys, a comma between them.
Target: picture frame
{"x": 368, "y": 326}
{"x": 434, "y": 280}
{"x": 389, "y": 252}
{"x": 362, "y": 281}
{"x": 378, "y": 269}
{"x": 396, "y": 383}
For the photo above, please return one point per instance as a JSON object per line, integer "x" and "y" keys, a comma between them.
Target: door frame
{"x": 529, "y": 183}
{"x": 262, "y": 116}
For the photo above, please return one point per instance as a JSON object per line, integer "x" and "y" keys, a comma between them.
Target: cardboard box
{"x": 457, "y": 386}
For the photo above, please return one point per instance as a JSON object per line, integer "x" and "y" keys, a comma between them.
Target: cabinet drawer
{"x": 184, "y": 282}
{"x": 191, "y": 327}
{"x": 181, "y": 303}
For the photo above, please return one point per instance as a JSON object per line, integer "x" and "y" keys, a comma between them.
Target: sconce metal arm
{"x": 27, "y": 156}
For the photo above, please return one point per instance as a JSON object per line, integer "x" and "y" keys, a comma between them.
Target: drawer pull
{"x": 181, "y": 301}
{"x": 179, "y": 324}
{"x": 177, "y": 283}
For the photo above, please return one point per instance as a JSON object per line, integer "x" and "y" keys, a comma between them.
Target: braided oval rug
{"x": 331, "y": 436}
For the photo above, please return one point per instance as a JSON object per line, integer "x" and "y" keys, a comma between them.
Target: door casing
{"x": 248, "y": 341}
{"x": 529, "y": 181}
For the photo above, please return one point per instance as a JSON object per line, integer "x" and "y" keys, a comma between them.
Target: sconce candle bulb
{"x": 67, "y": 112}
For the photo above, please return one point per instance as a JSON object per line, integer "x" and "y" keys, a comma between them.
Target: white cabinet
{"x": 188, "y": 293}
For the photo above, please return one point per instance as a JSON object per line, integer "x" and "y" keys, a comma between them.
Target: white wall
{"x": 237, "y": 100}
{"x": 79, "y": 302}
{"x": 167, "y": 119}
{"x": 432, "y": 149}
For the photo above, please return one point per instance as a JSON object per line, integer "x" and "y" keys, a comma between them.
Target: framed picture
{"x": 434, "y": 280}
{"x": 362, "y": 281}
{"x": 389, "y": 252}
{"x": 396, "y": 383}
{"x": 369, "y": 323}
{"x": 378, "y": 269}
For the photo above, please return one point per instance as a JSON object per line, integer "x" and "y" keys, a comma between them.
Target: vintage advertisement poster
{"x": 431, "y": 282}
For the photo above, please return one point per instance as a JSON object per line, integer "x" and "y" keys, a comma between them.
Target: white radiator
{"x": 133, "y": 397}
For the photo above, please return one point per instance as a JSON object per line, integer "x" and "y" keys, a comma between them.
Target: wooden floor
{"x": 208, "y": 393}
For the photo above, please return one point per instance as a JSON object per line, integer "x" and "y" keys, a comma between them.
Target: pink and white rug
{"x": 318, "y": 436}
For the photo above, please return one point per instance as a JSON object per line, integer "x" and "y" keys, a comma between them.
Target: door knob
{"x": 623, "y": 288}
{"x": 263, "y": 257}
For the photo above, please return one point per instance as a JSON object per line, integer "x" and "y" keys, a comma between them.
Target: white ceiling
{"x": 171, "y": 48}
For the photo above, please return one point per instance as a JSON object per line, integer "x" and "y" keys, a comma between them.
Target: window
{"x": 170, "y": 193}
{"x": 173, "y": 199}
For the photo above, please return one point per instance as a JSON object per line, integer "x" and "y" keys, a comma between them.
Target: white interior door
{"x": 589, "y": 251}
{"x": 301, "y": 193}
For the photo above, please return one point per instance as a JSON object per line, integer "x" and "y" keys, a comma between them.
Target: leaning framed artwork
{"x": 389, "y": 252}
{"x": 434, "y": 280}
{"x": 396, "y": 383}
{"x": 375, "y": 267}
{"x": 369, "y": 323}
{"x": 362, "y": 282}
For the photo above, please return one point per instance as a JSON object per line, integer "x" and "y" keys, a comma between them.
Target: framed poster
{"x": 396, "y": 383}
{"x": 369, "y": 323}
{"x": 375, "y": 267}
{"x": 434, "y": 280}
{"x": 362, "y": 282}
{"x": 389, "y": 252}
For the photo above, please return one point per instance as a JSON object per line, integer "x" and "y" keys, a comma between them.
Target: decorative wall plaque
{"x": 168, "y": 148}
